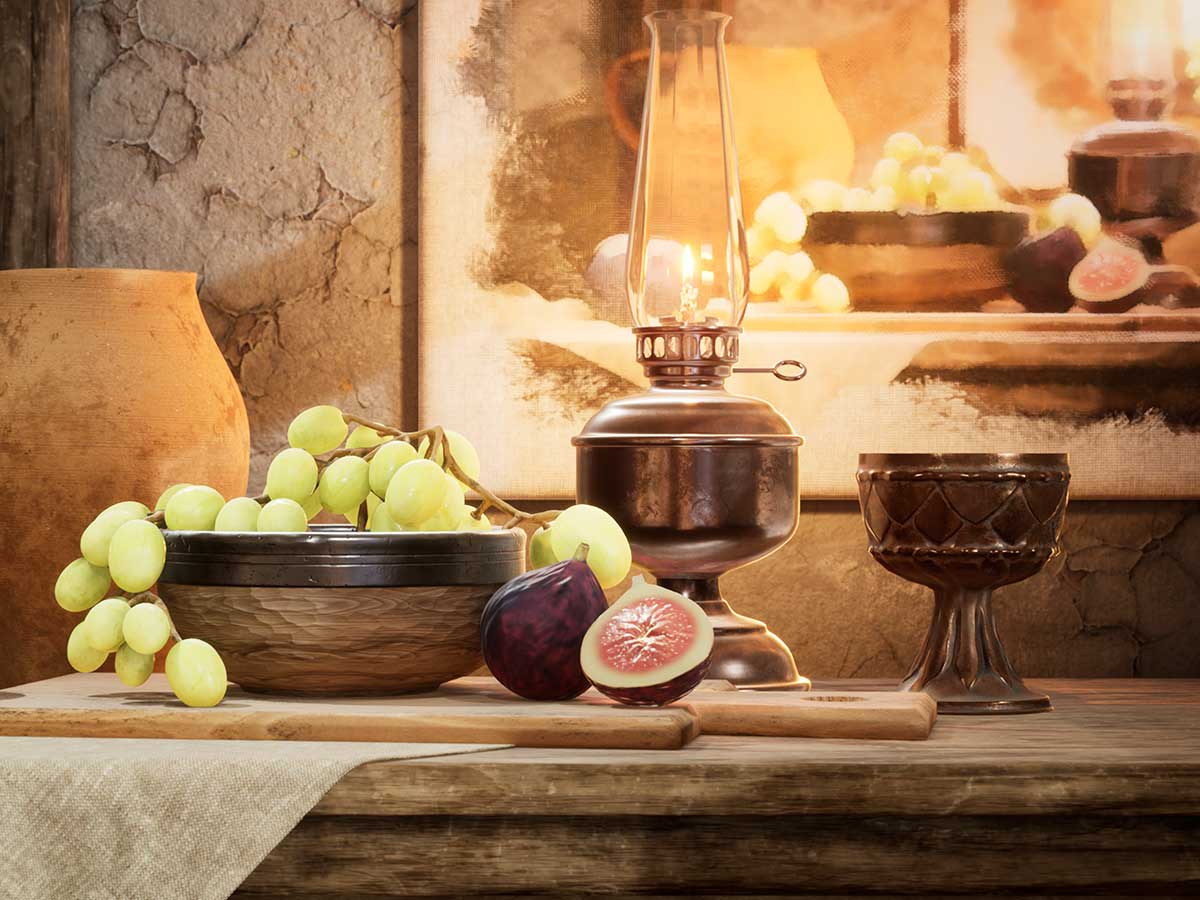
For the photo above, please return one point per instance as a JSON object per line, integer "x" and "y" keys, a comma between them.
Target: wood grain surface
{"x": 467, "y": 710}
{"x": 35, "y": 132}
{"x": 336, "y": 640}
{"x": 98, "y": 705}
{"x": 1126, "y": 747}
{"x": 1099, "y": 797}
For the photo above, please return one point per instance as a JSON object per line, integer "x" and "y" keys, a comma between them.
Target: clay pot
{"x": 111, "y": 388}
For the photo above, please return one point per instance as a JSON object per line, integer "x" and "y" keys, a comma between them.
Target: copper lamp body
{"x": 702, "y": 481}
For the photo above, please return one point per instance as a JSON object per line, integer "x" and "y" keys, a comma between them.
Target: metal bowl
{"x": 334, "y": 611}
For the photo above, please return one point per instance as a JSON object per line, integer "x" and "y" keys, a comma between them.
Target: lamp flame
{"x": 688, "y": 292}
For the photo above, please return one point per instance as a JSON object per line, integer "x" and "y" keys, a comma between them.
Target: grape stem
{"x": 174, "y": 633}
{"x": 437, "y": 441}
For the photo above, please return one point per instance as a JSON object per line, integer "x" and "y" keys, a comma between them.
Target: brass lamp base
{"x": 745, "y": 652}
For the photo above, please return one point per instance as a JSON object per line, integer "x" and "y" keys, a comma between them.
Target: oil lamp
{"x": 702, "y": 481}
{"x": 1139, "y": 167}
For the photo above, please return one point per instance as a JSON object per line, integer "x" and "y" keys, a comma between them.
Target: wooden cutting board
{"x": 470, "y": 710}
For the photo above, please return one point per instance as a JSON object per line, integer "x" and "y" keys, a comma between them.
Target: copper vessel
{"x": 702, "y": 481}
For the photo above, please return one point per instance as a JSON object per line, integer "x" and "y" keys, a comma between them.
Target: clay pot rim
{"x": 115, "y": 276}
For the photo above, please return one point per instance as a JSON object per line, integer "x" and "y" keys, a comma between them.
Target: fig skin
{"x": 532, "y": 628}
{"x": 1039, "y": 267}
{"x": 659, "y": 694}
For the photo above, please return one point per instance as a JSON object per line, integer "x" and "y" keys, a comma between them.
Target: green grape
{"x": 886, "y": 173}
{"x": 194, "y": 508}
{"x": 82, "y": 656}
{"x": 133, "y": 668}
{"x": 381, "y": 520}
{"x": 318, "y": 429}
{"x": 450, "y": 512}
{"x": 196, "y": 673}
{"x": 282, "y": 515}
{"x": 461, "y": 449}
{"x": 956, "y": 163}
{"x": 292, "y": 475}
{"x": 822, "y": 195}
{"x": 146, "y": 628}
{"x": 312, "y": 504}
{"x": 81, "y": 585}
{"x": 415, "y": 492}
{"x": 856, "y": 200}
{"x": 541, "y": 550}
{"x": 136, "y": 555}
{"x": 345, "y": 484}
{"x": 1078, "y": 213}
{"x": 362, "y": 437}
{"x": 608, "y": 550}
{"x": 973, "y": 190}
{"x": 165, "y": 497}
{"x": 239, "y": 514}
{"x": 830, "y": 293}
{"x": 471, "y": 522}
{"x": 102, "y": 626}
{"x": 386, "y": 461}
{"x": 96, "y": 537}
{"x": 902, "y": 146}
{"x": 372, "y": 505}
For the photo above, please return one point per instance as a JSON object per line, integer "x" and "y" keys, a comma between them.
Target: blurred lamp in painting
{"x": 1140, "y": 168}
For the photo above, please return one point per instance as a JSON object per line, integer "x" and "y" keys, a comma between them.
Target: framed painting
{"x": 529, "y": 129}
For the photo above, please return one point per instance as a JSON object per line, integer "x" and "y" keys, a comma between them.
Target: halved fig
{"x": 651, "y": 647}
{"x": 1110, "y": 278}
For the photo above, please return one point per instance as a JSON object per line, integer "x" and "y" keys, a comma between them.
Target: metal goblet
{"x": 965, "y": 524}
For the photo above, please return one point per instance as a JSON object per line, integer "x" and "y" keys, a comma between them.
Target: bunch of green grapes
{"x": 779, "y": 269}
{"x": 911, "y": 175}
{"x": 124, "y": 545}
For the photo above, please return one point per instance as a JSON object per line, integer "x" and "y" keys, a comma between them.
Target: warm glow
{"x": 1140, "y": 36}
{"x": 687, "y": 266}
{"x": 687, "y": 285}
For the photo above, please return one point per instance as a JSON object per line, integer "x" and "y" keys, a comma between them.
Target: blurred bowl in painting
{"x": 917, "y": 261}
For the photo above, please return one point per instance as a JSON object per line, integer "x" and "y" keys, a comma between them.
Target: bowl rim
{"x": 339, "y": 556}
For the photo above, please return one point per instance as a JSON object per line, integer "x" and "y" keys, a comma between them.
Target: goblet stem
{"x": 745, "y": 652}
{"x": 962, "y": 663}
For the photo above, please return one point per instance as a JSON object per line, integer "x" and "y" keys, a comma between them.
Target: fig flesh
{"x": 1111, "y": 278}
{"x": 651, "y": 647}
{"x": 532, "y": 628}
{"x": 1039, "y": 267}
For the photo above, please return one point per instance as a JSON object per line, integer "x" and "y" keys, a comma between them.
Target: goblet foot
{"x": 962, "y": 663}
{"x": 745, "y": 651}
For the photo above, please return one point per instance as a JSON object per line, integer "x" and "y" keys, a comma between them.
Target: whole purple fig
{"x": 532, "y": 628}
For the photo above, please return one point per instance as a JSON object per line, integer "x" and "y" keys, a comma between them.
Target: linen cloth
{"x": 125, "y": 819}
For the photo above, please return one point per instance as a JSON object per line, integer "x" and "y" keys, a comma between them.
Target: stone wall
{"x": 267, "y": 145}
{"x": 270, "y": 145}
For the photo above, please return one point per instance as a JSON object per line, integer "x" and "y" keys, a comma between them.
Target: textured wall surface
{"x": 270, "y": 147}
{"x": 261, "y": 144}
{"x": 1123, "y": 599}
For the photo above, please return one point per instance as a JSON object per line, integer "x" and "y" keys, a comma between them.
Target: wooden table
{"x": 1100, "y": 796}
